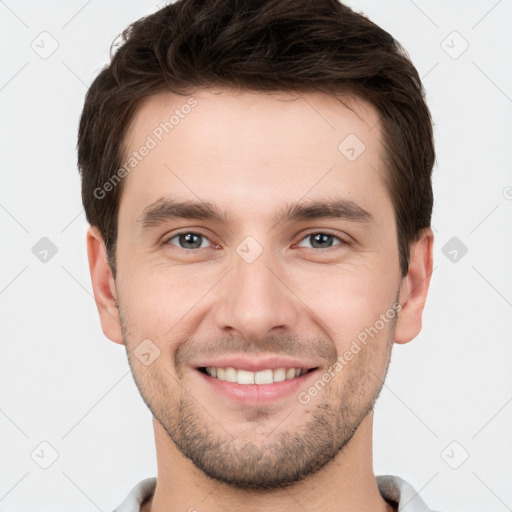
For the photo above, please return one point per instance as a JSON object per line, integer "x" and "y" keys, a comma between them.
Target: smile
{"x": 265, "y": 376}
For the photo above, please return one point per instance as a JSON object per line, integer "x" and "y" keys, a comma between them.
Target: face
{"x": 257, "y": 277}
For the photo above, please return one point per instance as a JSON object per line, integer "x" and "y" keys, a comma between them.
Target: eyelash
{"x": 308, "y": 235}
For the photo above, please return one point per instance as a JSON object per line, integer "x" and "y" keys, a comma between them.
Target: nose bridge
{"x": 254, "y": 300}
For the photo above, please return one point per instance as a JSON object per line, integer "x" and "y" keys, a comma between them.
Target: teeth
{"x": 245, "y": 377}
{"x": 279, "y": 375}
{"x": 231, "y": 374}
{"x": 269, "y": 376}
{"x": 263, "y": 377}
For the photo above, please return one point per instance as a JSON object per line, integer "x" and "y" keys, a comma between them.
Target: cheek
{"x": 156, "y": 300}
{"x": 347, "y": 299}
{"x": 156, "y": 384}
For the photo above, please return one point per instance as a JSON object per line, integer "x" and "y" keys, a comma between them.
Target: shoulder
{"x": 138, "y": 495}
{"x": 401, "y": 493}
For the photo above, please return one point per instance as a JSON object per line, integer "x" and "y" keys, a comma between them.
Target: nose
{"x": 255, "y": 299}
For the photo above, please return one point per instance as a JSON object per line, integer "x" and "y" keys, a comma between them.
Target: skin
{"x": 249, "y": 154}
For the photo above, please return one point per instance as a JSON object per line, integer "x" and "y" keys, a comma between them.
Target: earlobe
{"x": 414, "y": 288}
{"x": 103, "y": 285}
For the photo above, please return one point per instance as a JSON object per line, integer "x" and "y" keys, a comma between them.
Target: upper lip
{"x": 255, "y": 364}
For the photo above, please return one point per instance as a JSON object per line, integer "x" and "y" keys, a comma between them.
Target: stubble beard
{"x": 285, "y": 457}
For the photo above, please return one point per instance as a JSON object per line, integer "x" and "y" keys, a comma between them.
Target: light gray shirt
{"x": 392, "y": 488}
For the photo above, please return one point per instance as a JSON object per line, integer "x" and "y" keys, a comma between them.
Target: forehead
{"x": 247, "y": 149}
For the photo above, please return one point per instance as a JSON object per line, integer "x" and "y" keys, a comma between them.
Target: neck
{"x": 346, "y": 484}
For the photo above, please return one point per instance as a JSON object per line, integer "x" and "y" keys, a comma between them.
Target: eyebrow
{"x": 165, "y": 209}
{"x": 345, "y": 209}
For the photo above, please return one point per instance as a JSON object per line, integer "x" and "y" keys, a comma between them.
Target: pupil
{"x": 322, "y": 238}
{"x": 188, "y": 240}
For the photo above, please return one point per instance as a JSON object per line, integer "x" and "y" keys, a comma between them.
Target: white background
{"x": 64, "y": 383}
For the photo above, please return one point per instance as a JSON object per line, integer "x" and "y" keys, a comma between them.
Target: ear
{"x": 414, "y": 288}
{"x": 103, "y": 286}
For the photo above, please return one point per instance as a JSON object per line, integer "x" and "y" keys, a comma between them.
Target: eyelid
{"x": 342, "y": 240}
{"x": 168, "y": 237}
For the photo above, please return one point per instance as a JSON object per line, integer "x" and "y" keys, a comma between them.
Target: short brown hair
{"x": 274, "y": 45}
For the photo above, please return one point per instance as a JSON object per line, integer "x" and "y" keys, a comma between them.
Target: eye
{"x": 188, "y": 240}
{"x": 321, "y": 240}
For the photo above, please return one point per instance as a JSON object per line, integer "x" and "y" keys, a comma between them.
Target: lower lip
{"x": 251, "y": 394}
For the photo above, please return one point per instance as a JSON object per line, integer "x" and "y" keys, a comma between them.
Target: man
{"x": 257, "y": 176}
